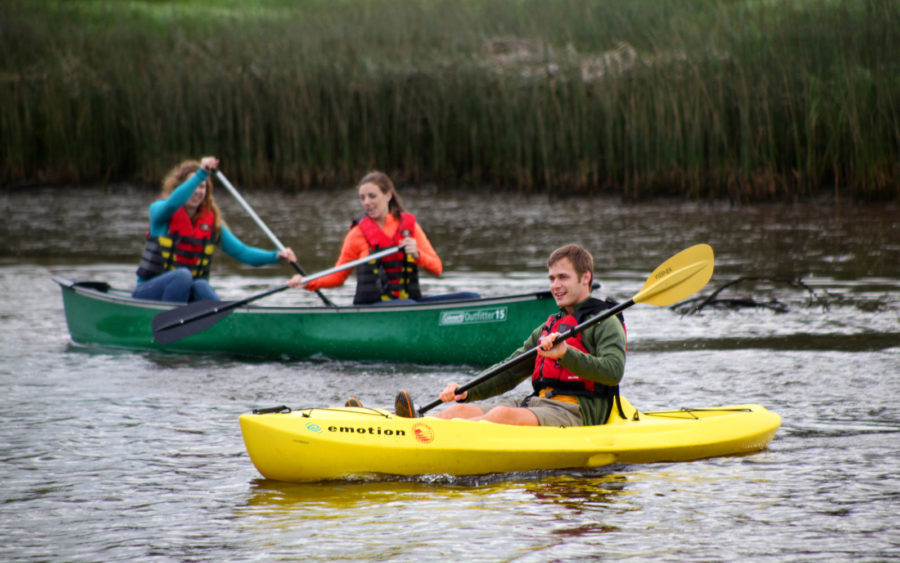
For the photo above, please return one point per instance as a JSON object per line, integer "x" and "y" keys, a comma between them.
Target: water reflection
{"x": 274, "y": 497}
{"x": 575, "y": 490}
{"x": 579, "y": 491}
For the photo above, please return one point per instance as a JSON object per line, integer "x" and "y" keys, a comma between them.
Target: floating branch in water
{"x": 691, "y": 306}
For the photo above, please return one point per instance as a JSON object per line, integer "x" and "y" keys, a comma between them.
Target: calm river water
{"x": 111, "y": 455}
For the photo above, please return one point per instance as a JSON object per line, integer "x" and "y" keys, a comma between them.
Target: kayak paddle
{"x": 265, "y": 229}
{"x": 192, "y": 318}
{"x": 677, "y": 278}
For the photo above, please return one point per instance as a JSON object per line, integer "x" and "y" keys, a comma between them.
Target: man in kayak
{"x": 575, "y": 381}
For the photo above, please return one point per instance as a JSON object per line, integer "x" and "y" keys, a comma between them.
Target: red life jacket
{"x": 187, "y": 245}
{"x": 394, "y": 276}
{"x": 549, "y": 373}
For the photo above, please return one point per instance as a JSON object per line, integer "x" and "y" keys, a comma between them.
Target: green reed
{"x": 748, "y": 100}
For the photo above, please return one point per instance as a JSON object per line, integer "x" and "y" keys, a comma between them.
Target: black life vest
{"x": 549, "y": 373}
{"x": 186, "y": 245}
{"x": 394, "y": 276}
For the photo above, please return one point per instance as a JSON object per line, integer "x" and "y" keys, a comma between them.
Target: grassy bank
{"x": 749, "y": 100}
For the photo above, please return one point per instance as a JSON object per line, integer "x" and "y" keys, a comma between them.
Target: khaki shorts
{"x": 547, "y": 411}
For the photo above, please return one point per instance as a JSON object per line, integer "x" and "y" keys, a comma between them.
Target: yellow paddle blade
{"x": 678, "y": 277}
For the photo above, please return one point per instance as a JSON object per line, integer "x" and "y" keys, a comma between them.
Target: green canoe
{"x": 474, "y": 332}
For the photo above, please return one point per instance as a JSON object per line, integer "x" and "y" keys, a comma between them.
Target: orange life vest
{"x": 548, "y": 373}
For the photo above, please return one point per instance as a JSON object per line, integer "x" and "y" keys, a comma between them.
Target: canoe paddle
{"x": 192, "y": 318}
{"x": 677, "y": 278}
{"x": 265, "y": 229}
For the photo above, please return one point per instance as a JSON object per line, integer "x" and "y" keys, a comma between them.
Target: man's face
{"x": 565, "y": 285}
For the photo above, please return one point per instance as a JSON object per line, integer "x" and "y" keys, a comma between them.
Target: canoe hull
{"x": 321, "y": 444}
{"x": 474, "y": 332}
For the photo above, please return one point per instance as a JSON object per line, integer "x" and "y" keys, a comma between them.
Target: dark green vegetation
{"x": 748, "y": 100}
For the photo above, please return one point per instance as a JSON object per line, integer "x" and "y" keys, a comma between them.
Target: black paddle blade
{"x": 403, "y": 405}
{"x": 181, "y": 322}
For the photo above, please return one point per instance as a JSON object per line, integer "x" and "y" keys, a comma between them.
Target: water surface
{"x": 113, "y": 455}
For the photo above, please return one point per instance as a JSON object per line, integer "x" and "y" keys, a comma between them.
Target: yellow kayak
{"x": 332, "y": 443}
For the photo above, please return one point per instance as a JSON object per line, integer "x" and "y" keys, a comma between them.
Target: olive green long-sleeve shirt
{"x": 604, "y": 363}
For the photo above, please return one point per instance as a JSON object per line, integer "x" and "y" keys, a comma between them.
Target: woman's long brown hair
{"x": 179, "y": 175}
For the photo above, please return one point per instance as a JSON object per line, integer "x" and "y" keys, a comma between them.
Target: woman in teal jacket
{"x": 185, "y": 227}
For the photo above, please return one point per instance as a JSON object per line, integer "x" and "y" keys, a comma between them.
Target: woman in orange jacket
{"x": 385, "y": 223}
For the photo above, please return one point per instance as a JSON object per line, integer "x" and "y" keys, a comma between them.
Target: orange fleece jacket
{"x": 355, "y": 246}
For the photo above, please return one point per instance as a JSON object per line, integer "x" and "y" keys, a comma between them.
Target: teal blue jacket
{"x": 161, "y": 212}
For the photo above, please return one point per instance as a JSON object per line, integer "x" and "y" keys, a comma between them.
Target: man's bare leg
{"x": 459, "y": 410}
{"x": 510, "y": 415}
{"x": 499, "y": 415}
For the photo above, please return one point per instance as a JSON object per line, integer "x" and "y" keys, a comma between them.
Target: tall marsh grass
{"x": 748, "y": 100}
